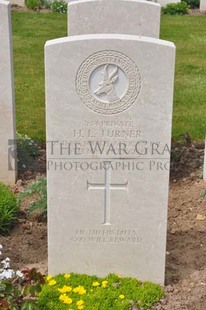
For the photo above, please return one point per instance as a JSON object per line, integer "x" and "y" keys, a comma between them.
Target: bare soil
{"x": 186, "y": 240}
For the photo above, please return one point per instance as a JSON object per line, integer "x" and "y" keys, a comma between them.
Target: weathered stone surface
{"x": 118, "y": 16}
{"x": 7, "y": 110}
{"x": 109, "y": 110}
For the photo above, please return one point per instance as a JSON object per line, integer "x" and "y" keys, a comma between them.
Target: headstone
{"x": 7, "y": 109}
{"x": 164, "y": 3}
{"x": 18, "y": 2}
{"x": 202, "y": 5}
{"x": 109, "y": 109}
{"x": 118, "y": 16}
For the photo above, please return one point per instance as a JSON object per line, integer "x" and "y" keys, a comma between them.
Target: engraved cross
{"x": 107, "y": 186}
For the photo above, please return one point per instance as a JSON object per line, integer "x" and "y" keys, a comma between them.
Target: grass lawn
{"x": 189, "y": 35}
{"x": 32, "y": 30}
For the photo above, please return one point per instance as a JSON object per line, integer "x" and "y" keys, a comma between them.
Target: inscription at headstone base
{"x": 109, "y": 108}
{"x": 7, "y": 109}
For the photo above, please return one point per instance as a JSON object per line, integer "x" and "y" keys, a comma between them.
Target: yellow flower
{"x": 67, "y": 275}
{"x": 65, "y": 299}
{"x": 95, "y": 283}
{"x": 65, "y": 289}
{"x": 80, "y": 307}
{"x": 48, "y": 278}
{"x": 104, "y": 283}
{"x": 80, "y": 302}
{"x": 52, "y": 282}
{"x": 62, "y": 297}
{"x": 79, "y": 289}
{"x": 119, "y": 276}
{"x": 121, "y": 296}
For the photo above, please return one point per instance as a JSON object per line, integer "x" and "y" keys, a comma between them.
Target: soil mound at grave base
{"x": 187, "y": 294}
{"x": 26, "y": 246}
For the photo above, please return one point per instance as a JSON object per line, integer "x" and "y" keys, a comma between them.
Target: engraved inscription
{"x": 123, "y": 236}
{"x": 108, "y": 82}
{"x": 107, "y": 186}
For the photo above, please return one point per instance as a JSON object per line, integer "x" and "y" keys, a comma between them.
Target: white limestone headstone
{"x": 7, "y": 108}
{"x": 109, "y": 109}
{"x": 18, "y": 2}
{"x": 164, "y": 3}
{"x": 202, "y": 5}
{"x": 135, "y": 17}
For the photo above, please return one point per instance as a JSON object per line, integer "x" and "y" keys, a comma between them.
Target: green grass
{"x": 32, "y": 30}
{"x": 189, "y": 35}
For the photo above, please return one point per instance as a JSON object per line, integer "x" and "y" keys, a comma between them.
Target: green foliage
{"x": 33, "y": 4}
{"x": 92, "y": 293}
{"x": 59, "y": 6}
{"x": 46, "y": 4}
{"x": 27, "y": 150}
{"x": 38, "y": 192}
{"x": 193, "y": 4}
{"x": 203, "y": 193}
{"x": 21, "y": 293}
{"x": 27, "y": 145}
{"x": 8, "y": 209}
{"x": 180, "y": 8}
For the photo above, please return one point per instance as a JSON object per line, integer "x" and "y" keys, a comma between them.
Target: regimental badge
{"x": 108, "y": 82}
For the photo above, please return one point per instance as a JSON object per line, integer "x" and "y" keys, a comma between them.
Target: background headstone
{"x": 118, "y": 16}
{"x": 18, "y": 2}
{"x": 164, "y": 3}
{"x": 202, "y": 5}
{"x": 108, "y": 98}
{"x": 7, "y": 109}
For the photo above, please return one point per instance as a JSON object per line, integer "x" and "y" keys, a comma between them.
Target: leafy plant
{"x": 59, "y": 6}
{"x": 203, "y": 194}
{"x": 180, "y": 8}
{"x": 33, "y": 4}
{"x": 193, "y": 4}
{"x": 8, "y": 209}
{"x": 46, "y": 4}
{"x": 38, "y": 192}
{"x": 19, "y": 290}
{"x": 77, "y": 292}
{"x": 27, "y": 150}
